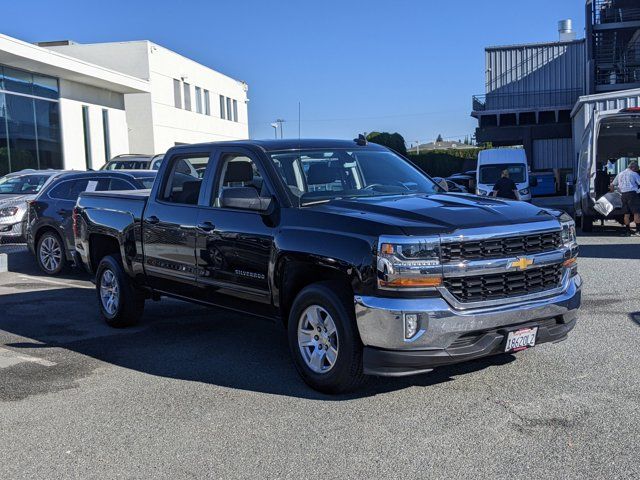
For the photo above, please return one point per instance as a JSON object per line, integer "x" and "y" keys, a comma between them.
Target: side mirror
{"x": 245, "y": 198}
{"x": 533, "y": 181}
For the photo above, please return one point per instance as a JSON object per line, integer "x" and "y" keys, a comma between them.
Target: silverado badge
{"x": 522, "y": 263}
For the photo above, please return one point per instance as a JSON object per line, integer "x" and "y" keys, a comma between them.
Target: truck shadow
{"x": 625, "y": 251}
{"x": 183, "y": 341}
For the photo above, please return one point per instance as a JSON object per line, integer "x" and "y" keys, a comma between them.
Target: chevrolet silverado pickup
{"x": 371, "y": 266}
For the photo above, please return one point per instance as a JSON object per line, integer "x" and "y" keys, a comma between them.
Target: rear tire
{"x": 51, "y": 254}
{"x": 121, "y": 304}
{"x": 324, "y": 339}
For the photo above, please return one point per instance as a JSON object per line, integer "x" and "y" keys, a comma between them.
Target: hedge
{"x": 443, "y": 163}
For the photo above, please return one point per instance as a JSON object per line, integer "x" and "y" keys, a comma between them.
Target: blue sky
{"x": 355, "y": 66}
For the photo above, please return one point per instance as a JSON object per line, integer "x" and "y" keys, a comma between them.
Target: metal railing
{"x": 526, "y": 100}
{"x": 613, "y": 11}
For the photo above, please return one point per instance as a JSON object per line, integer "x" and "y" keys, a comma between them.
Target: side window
{"x": 80, "y": 186}
{"x": 119, "y": 184}
{"x": 185, "y": 180}
{"x": 61, "y": 190}
{"x": 69, "y": 190}
{"x": 238, "y": 170}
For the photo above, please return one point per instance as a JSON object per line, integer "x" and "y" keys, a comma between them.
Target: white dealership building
{"x": 74, "y": 106}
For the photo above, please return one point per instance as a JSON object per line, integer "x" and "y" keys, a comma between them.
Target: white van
{"x": 492, "y": 162}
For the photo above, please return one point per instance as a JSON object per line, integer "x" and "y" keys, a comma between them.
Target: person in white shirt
{"x": 628, "y": 182}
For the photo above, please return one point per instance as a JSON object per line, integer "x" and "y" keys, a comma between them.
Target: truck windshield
{"x": 320, "y": 175}
{"x": 23, "y": 184}
{"x": 490, "y": 174}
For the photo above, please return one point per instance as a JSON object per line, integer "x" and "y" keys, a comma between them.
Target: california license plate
{"x": 521, "y": 339}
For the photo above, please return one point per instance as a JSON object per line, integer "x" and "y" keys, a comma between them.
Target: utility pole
{"x": 417, "y": 147}
{"x": 275, "y": 129}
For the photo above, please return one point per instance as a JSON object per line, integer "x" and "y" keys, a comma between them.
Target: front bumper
{"x": 448, "y": 335}
{"x": 11, "y": 230}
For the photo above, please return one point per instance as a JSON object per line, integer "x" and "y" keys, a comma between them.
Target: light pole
{"x": 275, "y": 129}
{"x": 281, "y": 122}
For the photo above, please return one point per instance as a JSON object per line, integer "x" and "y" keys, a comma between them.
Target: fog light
{"x": 410, "y": 325}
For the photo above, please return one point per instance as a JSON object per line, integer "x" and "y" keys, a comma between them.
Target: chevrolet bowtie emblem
{"x": 522, "y": 263}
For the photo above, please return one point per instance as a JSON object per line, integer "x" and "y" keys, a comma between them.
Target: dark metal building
{"x": 613, "y": 45}
{"x": 529, "y": 93}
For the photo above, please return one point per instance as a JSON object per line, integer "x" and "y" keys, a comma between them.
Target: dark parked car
{"x": 467, "y": 181}
{"x": 451, "y": 185}
{"x": 49, "y": 217}
{"x": 372, "y": 269}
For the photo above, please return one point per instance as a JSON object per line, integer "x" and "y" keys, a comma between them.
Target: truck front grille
{"x": 500, "y": 247}
{"x": 478, "y": 288}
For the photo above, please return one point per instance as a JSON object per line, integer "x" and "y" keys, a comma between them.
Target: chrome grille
{"x": 500, "y": 247}
{"x": 479, "y": 288}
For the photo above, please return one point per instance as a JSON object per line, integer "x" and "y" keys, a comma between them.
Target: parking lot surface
{"x": 200, "y": 393}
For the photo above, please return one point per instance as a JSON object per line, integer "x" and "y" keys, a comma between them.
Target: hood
{"x": 15, "y": 199}
{"x": 437, "y": 213}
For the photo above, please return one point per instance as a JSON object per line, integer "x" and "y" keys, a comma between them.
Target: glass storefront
{"x": 29, "y": 121}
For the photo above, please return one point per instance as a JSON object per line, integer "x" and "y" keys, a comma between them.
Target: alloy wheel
{"x": 318, "y": 339}
{"x": 109, "y": 292}
{"x": 50, "y": 253}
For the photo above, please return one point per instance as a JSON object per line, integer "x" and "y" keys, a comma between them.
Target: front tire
{"x": 121, "y": 305}
{"x": 324, "y": 339}
{"x": 51, "y": 254}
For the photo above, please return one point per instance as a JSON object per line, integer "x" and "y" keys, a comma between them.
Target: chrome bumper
{"x": 381, "y": 320}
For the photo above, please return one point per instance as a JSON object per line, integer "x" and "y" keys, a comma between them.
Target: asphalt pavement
{"x": 200, "y": 393}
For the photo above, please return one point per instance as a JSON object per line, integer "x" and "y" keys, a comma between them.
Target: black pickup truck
{"x": 373, "y": 269}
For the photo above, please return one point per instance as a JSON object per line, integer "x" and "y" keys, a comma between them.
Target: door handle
{"x": 206, "y": 227}
{"x": 153, "y": 220}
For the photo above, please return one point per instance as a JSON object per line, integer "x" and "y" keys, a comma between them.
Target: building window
{"x": 87, "y": 137}
{"x": 222, "y": 115}
{"x": 105, "y": 132}
{"x": 229, "y": 111}
{"x": 198, "y": 100}
{"x": 235, "y": 110}
{"x": 207, "y": 103}
{"x": 187, "y": 96}
{"x": 177, "y": 93}
{"x": 29, "y": 122}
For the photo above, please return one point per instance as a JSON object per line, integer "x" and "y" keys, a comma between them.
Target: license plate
{"x": 521, "y": 339}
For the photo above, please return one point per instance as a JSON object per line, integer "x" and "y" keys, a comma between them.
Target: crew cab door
{"x": 169, "y": 223}
{"x": 234, "y": 243}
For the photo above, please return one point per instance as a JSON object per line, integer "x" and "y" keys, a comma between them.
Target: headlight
{"x": 482, "y": 192}
{"x": 8, "y": 211}
{"x": 406, "y": 263}
{"x": 524, "y": 191}
{"x": 568, "y": 233}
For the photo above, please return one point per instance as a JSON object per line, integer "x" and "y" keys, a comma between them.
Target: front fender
{"x": 352, "y": 256}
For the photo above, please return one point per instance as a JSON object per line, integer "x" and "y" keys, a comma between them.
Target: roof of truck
{"x": 296, "y": 144}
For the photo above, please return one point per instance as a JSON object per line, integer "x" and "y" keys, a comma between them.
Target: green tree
{"x": 394, "y": 141}
{"x": 439, "y": 139}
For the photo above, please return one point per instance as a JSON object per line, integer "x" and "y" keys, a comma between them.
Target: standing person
{"x": 505, "y": 187}
{"x": 628, "y": 182}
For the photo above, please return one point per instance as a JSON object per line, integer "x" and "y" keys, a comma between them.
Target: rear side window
{"x": 185, "y": 179}
{"x": 119, "y": 184}
{"x": 71, "y": 189}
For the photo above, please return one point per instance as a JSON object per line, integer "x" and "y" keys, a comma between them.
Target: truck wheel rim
{"x": 109, "y": 292}
{"x": 318, "y": 339}
{"x": 50, "y": 253}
